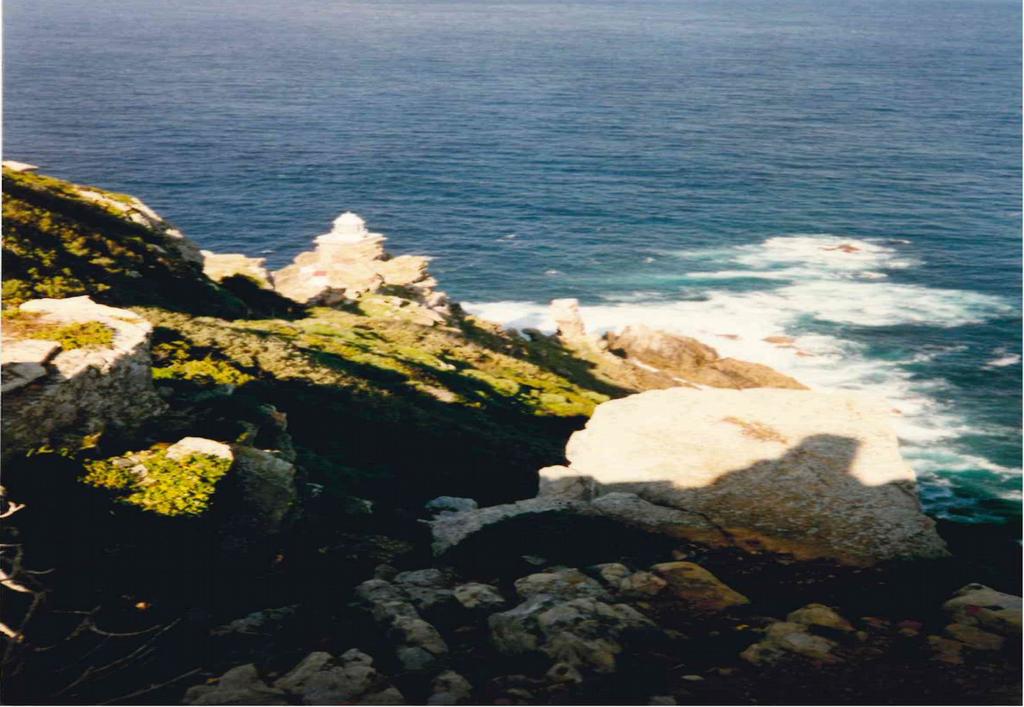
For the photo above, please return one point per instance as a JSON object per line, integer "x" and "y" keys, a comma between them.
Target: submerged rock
{"x": 691, "y": 361}
{"x": 813, "y": 474}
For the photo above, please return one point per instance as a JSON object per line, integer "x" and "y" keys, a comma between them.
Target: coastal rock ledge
{"x": 817, "y": 475}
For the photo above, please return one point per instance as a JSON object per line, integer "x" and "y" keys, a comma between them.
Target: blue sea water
{"x": 846, "y": 173}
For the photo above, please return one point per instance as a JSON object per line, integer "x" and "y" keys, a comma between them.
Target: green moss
{"x": 77, "y": 335}
{"x": 154, "y": 482}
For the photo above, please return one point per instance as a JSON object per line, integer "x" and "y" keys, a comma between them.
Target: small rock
{"x": 819, "y": 615}
{"x": 701, "y": 591}
{"x": 612, "y": 573}
{"x": 479, "y": 597}
{"x": 199, "y": 445}
{"x": 784, "y": 640}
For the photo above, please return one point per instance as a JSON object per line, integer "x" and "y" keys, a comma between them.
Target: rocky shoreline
{"x": 347, "y": 491}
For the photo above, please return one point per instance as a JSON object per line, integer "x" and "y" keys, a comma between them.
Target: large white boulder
{"x": 49, "y": 392}
{"x": 818, "y": 475}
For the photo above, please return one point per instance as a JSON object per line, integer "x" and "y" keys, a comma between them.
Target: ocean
{"x": 846, "y": 174}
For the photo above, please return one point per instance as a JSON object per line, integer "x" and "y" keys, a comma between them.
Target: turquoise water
{"x": 700, "y": 166}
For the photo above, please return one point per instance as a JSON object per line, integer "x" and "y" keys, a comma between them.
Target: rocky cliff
{"x": 328, "y": 485}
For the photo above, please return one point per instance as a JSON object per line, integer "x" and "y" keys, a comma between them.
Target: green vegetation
{"x": 154, "y": 482}
{"x": 56, "y": 243}
{"x": 77, "y": 335}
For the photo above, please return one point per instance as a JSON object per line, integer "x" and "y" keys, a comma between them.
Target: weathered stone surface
{"x": 220, "y": 266}
{"x": 321, "y": 679}
{"x": 702, "y": 592}
{"x": 814, "y": 474}
{"x": 690, "y": 360}
{"x": 784, "y": 640}
{"x": 349, "y": 261}
{"x": 81, "y": 391}
{"x": 978, "y": 605}
{"x": 238, "y": 686}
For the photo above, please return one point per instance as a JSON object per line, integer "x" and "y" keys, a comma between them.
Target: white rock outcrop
{"x": 349, "y": 261}
{"x": 809, "y": 473}
{"x": 49, "y": 392}
{"x": 220, "y": 266}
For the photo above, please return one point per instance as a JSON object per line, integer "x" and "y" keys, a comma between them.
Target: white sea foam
{"x": 1002, "y": 358}
{"x": 830, "y": 290}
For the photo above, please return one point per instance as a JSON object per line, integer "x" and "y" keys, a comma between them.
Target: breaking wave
{"x": 814, "y": 289}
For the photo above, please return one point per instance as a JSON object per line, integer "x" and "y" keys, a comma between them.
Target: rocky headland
{"x": 329, "y": 485}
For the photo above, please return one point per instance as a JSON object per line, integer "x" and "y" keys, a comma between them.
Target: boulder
{"x": 49, "y": 393}
{"x": 701, "y": 592}
{"x": 984, "y": 607}
{"x": 818, "y": 475}
{"x": 689, "y": 360}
